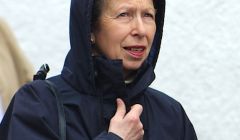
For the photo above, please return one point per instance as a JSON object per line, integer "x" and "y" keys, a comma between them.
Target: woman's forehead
{"x": 115, "y": 4}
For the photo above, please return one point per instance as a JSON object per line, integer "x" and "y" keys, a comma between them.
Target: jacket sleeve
{"x": 26, "y": 117}
{"x": 107, "y": 136}
{"x": 188, "y": 129}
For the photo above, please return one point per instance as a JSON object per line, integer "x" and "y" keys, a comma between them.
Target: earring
{"x": 92, "y": 39}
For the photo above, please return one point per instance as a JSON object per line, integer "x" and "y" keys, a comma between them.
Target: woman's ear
{"x": 94, "y": 48}
{"x": 92, "y": 38}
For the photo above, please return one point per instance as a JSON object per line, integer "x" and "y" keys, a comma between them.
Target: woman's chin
{"x": 132, "y": 66}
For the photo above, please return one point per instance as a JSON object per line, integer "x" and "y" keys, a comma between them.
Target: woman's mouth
{"x": 135, "y": 51}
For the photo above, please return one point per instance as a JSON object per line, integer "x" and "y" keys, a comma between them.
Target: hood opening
{"x": 78, "y": 68}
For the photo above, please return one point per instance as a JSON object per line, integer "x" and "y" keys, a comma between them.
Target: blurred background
{"x": 199, "y": 62}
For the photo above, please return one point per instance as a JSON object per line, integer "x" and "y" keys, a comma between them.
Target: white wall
{"x": 198, "y": 65}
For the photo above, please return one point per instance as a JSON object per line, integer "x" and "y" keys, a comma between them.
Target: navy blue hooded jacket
{"x": 89, "y": 87}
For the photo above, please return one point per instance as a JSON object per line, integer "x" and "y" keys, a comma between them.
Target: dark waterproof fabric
{"x": 89, "y": 87}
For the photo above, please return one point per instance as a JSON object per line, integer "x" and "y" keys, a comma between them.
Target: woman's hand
{"x": 127, "y": 125}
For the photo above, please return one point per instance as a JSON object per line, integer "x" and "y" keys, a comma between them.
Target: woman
{"x": 104, "y": 82}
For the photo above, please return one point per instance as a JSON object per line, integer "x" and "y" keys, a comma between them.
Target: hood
{"x": 78, "y": 68}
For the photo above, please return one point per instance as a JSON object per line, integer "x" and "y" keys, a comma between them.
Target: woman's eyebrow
{"x": 125, "y": 6}
{"x": 152, "y": 9}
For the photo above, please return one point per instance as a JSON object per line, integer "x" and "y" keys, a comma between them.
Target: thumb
{"x": 136, "y": 110}
{"x": 121, "y": 108}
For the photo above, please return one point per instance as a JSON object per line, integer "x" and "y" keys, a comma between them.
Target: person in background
{"x": 104, "y": 84}
{"x": 15, "y": 69}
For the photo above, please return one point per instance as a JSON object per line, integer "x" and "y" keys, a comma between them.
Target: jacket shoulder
{"x": 36, "y": 107}
{"x": 159, "y": 96}
{"x": 37, "y": 89}
{"x": 34, "y": 91}
{"x": 164, "y": 104}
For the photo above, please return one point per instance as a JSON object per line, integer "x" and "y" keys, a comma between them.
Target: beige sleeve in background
{"x": 15, "y": 69}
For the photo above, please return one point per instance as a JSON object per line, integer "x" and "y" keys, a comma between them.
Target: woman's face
{"x": 126, "y": 29}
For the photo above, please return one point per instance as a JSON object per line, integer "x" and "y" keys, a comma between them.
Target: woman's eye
{"x": 149, "y": 15}
{"x": 125, "y": 14}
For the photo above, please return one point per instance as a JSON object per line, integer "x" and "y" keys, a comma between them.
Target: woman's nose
{"x": 138, "y": 28}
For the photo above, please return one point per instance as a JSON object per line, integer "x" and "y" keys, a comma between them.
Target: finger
{"x": 136, "y": 110}
{"x": 121, "y": 108}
